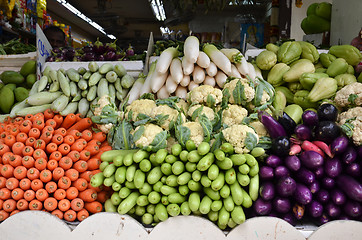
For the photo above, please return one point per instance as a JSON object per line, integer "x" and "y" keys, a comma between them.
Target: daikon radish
{"x": 209, "y": 81}
{"x": 162, "y": 93}
{"x": 211, "y": 70}
{"x": 181, "y": 92}
{"x": 185, "y": 81}
{"x": 187, "y": 66}
{"x": 233, "y": 54}
{"x": 198, "y": 75}
{"x": 203, "y": 60}
{"x": 252, "y": 73}
{"x": 234, "y": 72}
{"x": 220, "y": 60}
{"x": 176, "y": 70}
{"x": 134, "y": 93}
{"x": 220, "y": 78}
{"x": 191, "y": 48}
{"x": 146, "y": 88}
{"x": 165, "y": 59}
{"x": 170, "y": 84}
{"x": 192, "y": 85}
{"x": 258, "y": 72}
{"x": 158, "y": 80}
{"x": 243, "y": 67}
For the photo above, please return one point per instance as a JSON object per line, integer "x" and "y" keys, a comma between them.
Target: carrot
{"x": 57, "y": 213}
{"x": 57, "y": 139}
{"x": 71, "y": 193}
{"x": 82, "y": 124}
{"x": 49, "y": 129}
{"x": 88, "y": 195}
{"x": 69, "y": 139}
{"x": 41, "y": 194}
{"x": 14, "y": 212}
{"x": 69, "y": 120}
{"x": 70, "y": 215}
{"x": 58, "y": 172}
{"x": 29, "y": 117}
{"x": 12, "y": 183}
{"x": 72, "y": 174}
{"x": 25, "y": 126}
{"x": 84, "y": 155}
{"x": 15, "y": 161}
{"x": 10, "y": 140}
{"x": 61, "y": 131}
{"x": 21, "y": 137}
{"x": 55, "y": 155}
{"x": 22, "y": 204}
{"x": 77, "y": 204}
{"x": 87, "y": 175}
{"x": 93, "y": 149}
{"x": 39, "y": 153}
{"x": 102, "y": 196}
{"x": 63, "y": 204}
{"x": 74, "y": 155}
{"x": 33, "y": 173}
{"x": 34, "y": 132}
{"x": 25, "y": 184}
{"x": 29, "y": 195}
{"x": 81, "y": 166}
{"x": 2, "y": 182}
{"x": 52, "y": 164}
{"x": 51, "y": 147}
{"x": 87, "y": 135}
{"x": 81, "y": 184}
{"x": 50, "y": 204}
{"x": 7, "y": 157}
{"x": 46, "y": 136}
{"x": 36, "y": 184}
{"x": 5, "y": 193}
{"x": 46, "y": 175}
{"x": 20, "y": 172}
{"x": 7, "y": 170}
{"x": 40, "y": 164}
{"x": 17, "y": 194}
{"x": 51, "y": 122}
{"x": 78, "y": 117}
{"x": 64, "y": 182}
{"x": 14, "y": 131}
{"x": 65, "y": 163}
{"x": 82, "y": 214}
{"x": 48, "y": 114}
{"x": 40, "y": 144}
{"x": 59, "y": 194}
{"x": 35, "y": 205}
{"x": 64, "y": 149}
{"x": 3, "y": 149}
{"x": 28, "y": 151}
{"x": 17, "y": 148}
{"x": 3, "y": 215}
{"x": 100, "y": 136}
{"x": 93, "y": 207}
{"x": 9, "y": 205}
{"x": 94, "y": 142}
{"x": 39, "y": 124}
{"x": 93, "y": 163}
{"x": 77, "y": 146}
{"x": 58, "y": 119}
{"x": 28, "y": 161}
{"x": 51, "y": 187}
{"x": 30, "y": 141}
{"x": 38, "y": 116}
{"x": 75, "y": 133}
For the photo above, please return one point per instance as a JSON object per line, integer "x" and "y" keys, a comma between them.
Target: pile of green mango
{"x": 318, "y": 18}
{"x": 306, "y": 77}
{"x": 15, "y": 85}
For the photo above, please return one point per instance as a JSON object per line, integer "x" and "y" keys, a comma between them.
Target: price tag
{"x": 43, "y": 50}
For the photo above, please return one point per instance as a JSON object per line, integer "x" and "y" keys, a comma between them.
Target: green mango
{"x": 309, "y": 79}
{"x": 12, "y": 86}
{"x": 11, "y": 77}
{"x": 266, "y": 60}
{"x": 30, "y": 80}
{"x": 324, "y": 10}
{"x": 324, "y": 88}
{"x": 305, "y": 27}
{"x": 326, "y": 59}
{"x": 7, "y": 99}
{"x": 288, "y": 94}
{"x": 21, "y": 93}
{"x": 309, "y": 51}
{"x": 312, "y": 8}
{"x": 28, "y": 68}
{"x": 301, "y": 99}
{"x": 317, "y": 24}
{"x": 338, "y": 66}
{"x": 275, "y": 75}
{"x": 345, "y": 79}
{"x": 350, "y": 53}
{"x": 289, "y": 51}
{"x": 297, "y": 69}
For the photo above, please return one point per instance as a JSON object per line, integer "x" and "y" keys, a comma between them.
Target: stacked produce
{"x": 318, "y": 18}
{"x": 15, "y": 86}
{"x": 46, "y": 163}
{"x": 15, "y": 46}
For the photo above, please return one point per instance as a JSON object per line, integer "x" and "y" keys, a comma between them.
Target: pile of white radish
{"x": 170, "y": 75}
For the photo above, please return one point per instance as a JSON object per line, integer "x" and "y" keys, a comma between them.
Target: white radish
{"x": 191, "y": 48}
{"x": 243, "y": 67}
{"x": 164, "y": 61}
{"x": 198, "y": 75}
{"x": 234, "y": 72}
{"x": 146, "y": 88}
{"x": 185, "y": 81}
{"x": 192, "y": 85}
{"x": 162, "y": 93}
{"x": 158, "y": 80}
{"x": 176, "y": 70}
{"x": 220, "y": 60}
{"x": 233, "y": 54}
{"x": 181, "y": 92}
{"x": 134, "y": 93}
{"x": 252, "y": 73}
{"x": 209, "y": 81}
{"x": 170, "y": 84}
{"x": 203, "y": 60}
{"x": 258, "y": 71}
{"x": 187, "y": 66}
{"x": 220, "y": 78}
{"x": 211, "y": 70}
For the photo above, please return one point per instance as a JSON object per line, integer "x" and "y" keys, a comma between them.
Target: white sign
{"x": 43, "y": 50}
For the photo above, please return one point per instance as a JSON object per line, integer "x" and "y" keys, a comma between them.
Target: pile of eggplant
{"x": 313, "y": 171}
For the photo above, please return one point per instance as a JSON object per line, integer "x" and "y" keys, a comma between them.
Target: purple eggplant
{"x": 349, "y": 156}
{"x": 323, "y": 219}
{"x": 56, "y": 50}
{"x": 50, "y": 59}
{"x": 315, "y": 209}
{"x": 327, "y": 112}
{"x": 332, "y": 210}
{"x": 333, "y": 167}
{"x": 339, "y": 145}
{"x": 281, "y": 205}
{"x": 338, "y": 197}
{"x": 359, "y": 152}
{"x": 281, "y": 171}
{"x": 303, "y": 132}
{"x": 319, "y": 172}
{"x": 273, "y": 161}
{"x": 328, "y": 182}
{"x": 352, "y": 208}
{"x": 327, "y": 131}
{"x": 88, "y": 49}
{"x": 111, "y": 47}
{"x": 266, "y": 173}
{"x": 110, "y": 56}
{"x": 292, "y": 163}
{"x": 70, "y": 54}
{"x": 262, "y": 207}
{"x": 302, "y": 194}
{"x": 267, "y": 191}
{"x": 99, "y": 58}
{"x": 310, "y": 118}
{"x": 130, "y": 50}
{"x": 323, "y": 196}
{"x": 314, "y": 187}
{"x": 311, "y": 159}
{"x": 286, "y": 186}
{"x": 281, "y": 146}
{"x": 289, "y": 218}
{"x": 298, "y": 211}
{"x": 353, "y": 169}
{"x": 274, "y": 128}
{"x": 351, "y": 187}
{"x": 98, "y": 47}
{"x": 344, "y": 217}
{"x": 287, "y": 122}
{"x": 305, "y": 176}
{"x": 88, "y": 56}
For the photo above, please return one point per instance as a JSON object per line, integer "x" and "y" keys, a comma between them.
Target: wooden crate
{"x": 14, "y": 62}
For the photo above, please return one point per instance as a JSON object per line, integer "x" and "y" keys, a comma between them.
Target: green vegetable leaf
{"x": 150, "y": 96}
{"x": 160, "y": 119}
{"x": 197, "y": 113}
{"x": 142, "y": 119}
{"x": 262, "y": 86}
{"x": 219, "y": 138}
{"x": 122, "y": 138}
{"x": 182, "y": 134}
{"x": 251, "y": 118}
{"x": 206, "y": 126}
{"x": 170, "y": 101}
{"x": 352, "y": 99}
{"x": 210, "y": 101}
{"x": 130, "y": 114}
{"x": 225, "y": 98}
{"x": 239, "y": 94}
{"x": 264, "y": 142}
{"x": 237, "y": 57}
{"x": 109, "y": 114}
{"x": 348, "y": 127}
{"x": 250, "y": 141}
{"x": 159, "y": 142}
{"x": 138, "y": 133}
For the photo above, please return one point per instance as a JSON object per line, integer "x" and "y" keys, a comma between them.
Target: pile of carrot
{"x": 46, "y": 163}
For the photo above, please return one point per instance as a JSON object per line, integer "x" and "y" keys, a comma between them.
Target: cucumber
{"x": 64, "y": 83}
{"x": 73, "y": 89}
{"x": 33, "y": 110}
{"x": 73, "y": 74}
{"x": 83, "y": 107}
{"x": 60, "y": 103}
{"x": 43, "y": 98}
{"x": 71, "y": 108}
{"x": 54, "y": 87}
{"x": 94, "y": 78}
{"x": 102, "y": 88}
{"x": 93, "y": 66}
{"x": 120, "y": 70}
{"x": 42, "y": 83}
{"x": 92, "y": 93}
{"x": 105, "y": 68}
{"x": 17, "y": 107}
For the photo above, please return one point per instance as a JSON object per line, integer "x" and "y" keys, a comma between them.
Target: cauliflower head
{"x": 247, "y": 95}
{"x": 205, "y": 94}
{"x": 196, "y": 131}
{"x": 351, "y": 120}
{"x": 350, "y": 95}
{"x": 105, "y": 114}
{"x": 210, "y": 114}
{"x": 145, "y": 134}
{"x": 259, "y": 128}
{"x": 101, "y": 103}
{"x": 242, "y": 137}
{"x": 234, "y": 114}
{"x": 183, "y": 105}
{"x": 166, "y": 110}
{"x": 144, "y": 106}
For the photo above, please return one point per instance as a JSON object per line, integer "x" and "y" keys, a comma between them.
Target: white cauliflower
{"x": 166, "y": 110}
{"x": 101, "y": 103}
{"x": 264, "y": 99}
{"x": 144, "y": 106}
{"x": 351, "y": 123}
{"x": 248, "y": 90}
{"x": 105, "y": 121}
{"x": 203, "y": 94}
{"x": 197, "y": 132}
{"x": 150, "y": 131}
{"x": 238, "y": 136}
{"x": 234, "y": 114}
{"x": 183, "y": 105}
{"x": 350, "y": 95}
{"x": 259, "y": 128}
{"x": 205, "y": 110}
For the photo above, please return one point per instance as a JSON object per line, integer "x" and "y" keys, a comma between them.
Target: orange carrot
{"x": 28, "y": 161}
{"x": 5, "y": 193}
{"x": 82, "y": 124}
{"x": 20, "y": 172}
{"x": 29, "y": 195}
{"x": 69, "y": 120}
{"x": 64, "y": 204}
{"x": 35, "y": 205}
{"x": 70, "y": 215}
{"x": 17, "y": 194}
{"x": 65, "y": 163}
{"x": 41, "y": 194}
{"x": 93, "y": 207}
{"x": 57, "y": 213}
{"x": 59, "y": 194}
{"x": 88, "y": 195}
{"x": 25, "y": 184}
{"x": 12, "y": 183}
{"x": 72, "y": 174}
{"x": 64, "y": 182}
{"x": 36, "y": 184}
{"x": 81, "y": 184}
{"x": 50, "y": 204}
{"x": 71, "y": 193}
{"x": 40, "y": 164}
{"x": 77, "y": 204}
{"x": 51, "y": 187}
{"x": 22, "y": 205}
{"x": 9, "y": 205}
{"x": 82, "y": 214}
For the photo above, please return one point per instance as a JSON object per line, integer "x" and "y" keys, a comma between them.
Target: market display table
{"x": 42, "y": 225}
